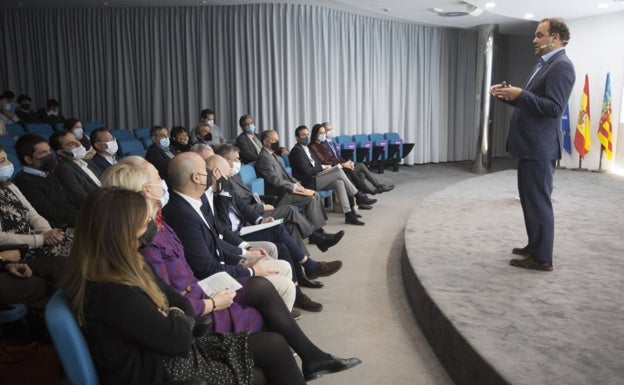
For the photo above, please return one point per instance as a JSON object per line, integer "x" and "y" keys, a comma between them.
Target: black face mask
{"x": 48, "y": 163}
{"x": 223, "y": 184}
{"x": 26, "y": 106}
{"x": 304, "y": 141}
{"x": 208, "y": 137}
{"x": 149, "y": 234}
{"x": 275, "y": 147}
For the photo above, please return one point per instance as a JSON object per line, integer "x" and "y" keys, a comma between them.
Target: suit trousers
{"x": 535, "y": 186}
{"x": 312, "y": 207}
{"x": 269, "y": 247}
{"x": 282, "y": 281}
{"x": 334, "y": 178}
{"x": 359, "y": 175}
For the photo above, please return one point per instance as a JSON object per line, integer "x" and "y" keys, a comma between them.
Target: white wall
{"x": 596, "y": 48}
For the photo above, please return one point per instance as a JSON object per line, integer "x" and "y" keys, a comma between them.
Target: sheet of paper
{"x": 253, "y": 228}
{"x": 217, "y": 282}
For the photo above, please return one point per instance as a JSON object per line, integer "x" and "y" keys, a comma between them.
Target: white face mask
{"x": 236, "y": 165}
{"x": 329, "y": 134}
{"x": 211, "y": 123}
{"x": 112, "y": 147}
{"x": 79, "y": 152}
{"x": 165, "y": 197}
{"x": 78, "y": 132}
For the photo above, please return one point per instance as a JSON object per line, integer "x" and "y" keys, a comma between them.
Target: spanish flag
{"x": 582, "y": 141}
{"x": 605, "y": 127}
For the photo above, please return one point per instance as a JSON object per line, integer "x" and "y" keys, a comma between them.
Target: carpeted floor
{"x": 562, "y": 327}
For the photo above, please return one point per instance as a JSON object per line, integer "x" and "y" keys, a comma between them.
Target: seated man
{"x": 160, "y": 153}
{"x": 24, "y": 110}
{"x": 7, "y": 116}
{"x": 202, "y": 134}
{"x": 295, "y": 222}
{"x": 80, "y": 177}
{"x": 288, "y": 189}
{"x": 189, "y": 214}
{"x": 323, "y": 148}
{"x": 229, "y": 212}
{"x": 105, "y": 146}
{"x": 248, "y": 141}
{"x": 18, "y": 284}
{"x": 315, "y": 175}
{"x": 208, "y": 116}
{"x": 52, "y": 113}
{"x": 40, "y": 186}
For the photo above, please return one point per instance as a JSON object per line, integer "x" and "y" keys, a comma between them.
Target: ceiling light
{"x": 529, "y": 15}
{"x": 439, "y": 10}
{"x": 603, "y": 5}
{"x": 490, "y": 4}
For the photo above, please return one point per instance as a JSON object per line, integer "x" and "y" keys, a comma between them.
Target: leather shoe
{"x": 305, "y": 282}
{"x": 532, "y": 264}
{"x": 315, "y": 369}
{"x": 324, "y": 241}
{"x": 365, "y": 207}
{"x": 304, "y": 302}
{"x": 524, "y": 251}
{"x": 362, "y": 199}
{"x": 325, "y": 269}
{"x": 296, "y": 314}
{"x": 387, "y": 187}
{"x": 351, "y": 219}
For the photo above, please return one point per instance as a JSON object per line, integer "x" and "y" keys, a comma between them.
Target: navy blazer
{"x": 535, "y": 125}
{"x": 76, "y": 182}
{"x": 205, "y": 252}
{"x": 248, "y": 152}
{"x": 159, "y": 158}
{"x": 302, "y": 167}
{"x": 101, "y": 162}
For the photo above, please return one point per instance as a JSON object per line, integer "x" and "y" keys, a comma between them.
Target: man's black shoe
{"x": 524, "y": 251}
{"x": 315, "y": 369}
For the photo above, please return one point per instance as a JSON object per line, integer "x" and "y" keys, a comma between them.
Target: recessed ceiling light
{"x": 439, "y": 10}
{"x": 386, "y": 9}
{"x": 603, "y": 5}
{"x": 529, "y": 15}
{"x": 490, "y": 4}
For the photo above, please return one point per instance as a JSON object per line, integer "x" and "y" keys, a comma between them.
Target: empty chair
{"x": 397, "y": 149}
{"x": 140, "y": 133}
{"x": 8, "y": 142}
{"x": 364, "y": 148}
{"x": 380, "y": 150}
{"x": 90, "y": 126}
{"x": 59, "y": 126}
{"x": 131, "y": 147}
{"x": 146, "y": 142}
{"x": 346, "y": 146}
{"x": 41, "y": 129}
{"x": 249, "y": 177}
{"x": 14, "y": 129}
{"x": 122, "y": 134}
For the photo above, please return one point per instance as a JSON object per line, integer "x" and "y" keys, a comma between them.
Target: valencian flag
{"x": 582, "y": 140}
{"x": 565, "y": 130}
{"x": 605, "y": 127}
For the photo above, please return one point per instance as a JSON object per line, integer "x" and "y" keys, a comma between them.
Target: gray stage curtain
{"x": 284, "y": 64}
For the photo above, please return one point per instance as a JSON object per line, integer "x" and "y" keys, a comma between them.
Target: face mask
{"x": 223, "y": 184}
{"x": 305, "y": 141}
{"x": 330, "y": 134}
{"x": 78, "y": 132}
{"x": 6, "y": 172}
{"x": 48, "y": 163}
{"x": 112, "y": 147}
{"x": 165, "y": 197}
{"x": 275, "y": 146}
{"x": 208, "y": 137}
{"x": 26, "y": 106}
{"x": 149, "y": 234}
{"x": 164, "y": 142}
{"x": 53, "y": 113}
{"x": 211, "y": 123}
{"x": 79, "y": 152}
{"x": 236, "y": 165}
{"x": 251, "y": 128}
{"x": 321, "y": 138}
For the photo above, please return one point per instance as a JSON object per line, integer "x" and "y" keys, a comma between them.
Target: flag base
{"x": 599, "y": 170}
{"x": 579, "y": 169}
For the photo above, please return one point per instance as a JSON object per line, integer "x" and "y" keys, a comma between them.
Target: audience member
{"x": 208, "y": 116}
{"x": 40, "y": 185}
{"x": 52, "y": 113}
{"x": 202, "y": 134}
{"x": 190, "y": 216}
{"x": 323, "y": 148}
{"x": 248, "y": 141}
{"x": 314, "y": 175}
{"x": 74, "y": 126}
{"x": 17, "y": 282}
{"x": 10, "y": 96}
{"x": 105, "y": 146}
{"x": 180, "y": 140}
{"x": 297, "y": 224}
{"x": 7, "y": 116}
{"x": 109, "y": 282}
{"x": 79, "y": 176}
{"x": 24, "y": 110}
{"x": 160, "y": 152}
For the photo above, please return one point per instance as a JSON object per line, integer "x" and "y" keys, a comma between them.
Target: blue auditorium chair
{"x": 346, "y": 146}
{"x": 249, "y": 177}
{"x": 59, "y": 127}
{"x": 41, "y": 129}
{"x": 397, "y": 149}
{"x": 364, "y": 148}
{"x": 122, "y": 134}
{"x": 141, "y": 133}
{"x": 380, "y": 150}
{"x": 131, "y": 147}
{"x": 89, "y": 127}
{"x": 8, "y": 142}
{"x": 14, "y": 129}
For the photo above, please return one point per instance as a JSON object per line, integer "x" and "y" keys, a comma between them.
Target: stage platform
{"x": 491, "y": 323}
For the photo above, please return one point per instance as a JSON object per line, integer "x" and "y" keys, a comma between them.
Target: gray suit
{"x": 535, "y": 139}
{"x": 279, "y": 183}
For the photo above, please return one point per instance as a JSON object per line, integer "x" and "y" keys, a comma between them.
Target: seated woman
{"x": 180, "y": 139}
{"x": 140, "y": 330}
{"x": 20, "y": 224}
{"x": 166, "y": 255}
{"x": 75, "y": 127}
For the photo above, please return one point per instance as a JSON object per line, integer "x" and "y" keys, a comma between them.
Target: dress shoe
{"x": 387, "y": 187}
{"x": 524, "y": 251}
{"x": 325, "y": 269}
{"x": 305, "y": 282}
{"x": 362, "y": 199}
{"x": 304, "y": 302}
{"x": 296, "y": 314}
{"x": 531, "y": 264}
{"x": 351, "y": 219}
{"x": 315, "y": 369}
{"x": 365, "y": 207}
{"x": 336, "y": 237}
{"x": 324, "y": 241}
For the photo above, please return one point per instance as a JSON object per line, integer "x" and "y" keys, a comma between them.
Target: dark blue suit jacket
{"x": 205, "y": 252}
{"x": 534, "y": 129}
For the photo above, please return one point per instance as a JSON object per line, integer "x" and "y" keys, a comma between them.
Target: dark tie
{"x": 282, "y": 167}
{"x": 207, "y": 213}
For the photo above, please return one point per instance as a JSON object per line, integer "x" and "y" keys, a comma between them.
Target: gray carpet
{"x": 562, "y": 327}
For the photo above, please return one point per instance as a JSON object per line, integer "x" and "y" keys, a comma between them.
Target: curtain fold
{"x": 284, "y": 64}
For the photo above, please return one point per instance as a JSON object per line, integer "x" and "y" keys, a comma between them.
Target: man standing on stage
{"x": 535, "y": 138}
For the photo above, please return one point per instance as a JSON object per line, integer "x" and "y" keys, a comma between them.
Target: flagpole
{"x": 600, "y": 161}
{"x": 559, "y": 166}
{"x": 579, "y": 166}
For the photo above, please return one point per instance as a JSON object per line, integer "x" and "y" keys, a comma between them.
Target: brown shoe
{"x": 296, "y": 314}
{"x": 531, "y": 264}
{"x": 304, "y": 302}
{"x": 325, "y": 269}
{"x": 524, "y": 251}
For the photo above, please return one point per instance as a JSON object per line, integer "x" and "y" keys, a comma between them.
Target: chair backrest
{"x": 69, "y": 341}
{"x": 286, "y": 167}
{"x": 43, "y": 129}
{"x": 131, "y": 147}
{"x": 122, "y": 134}
{"x": 13, "y": 313}
{"x": 141, "y": 133}
{"x": 90, "y": 126}
{"x": 14, "y": 129}
{"x": 59, "y": 126}
{"x": 249, "y": 177}
{"x": 8, "y": 142}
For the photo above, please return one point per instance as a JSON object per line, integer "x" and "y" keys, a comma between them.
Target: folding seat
{"x": 249, "y": 177}
{"x": 122, "y": 134}
{"x": 41, "y": 129}
{"x": 14, "y": 129}
{"x": 131, "y": 147}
